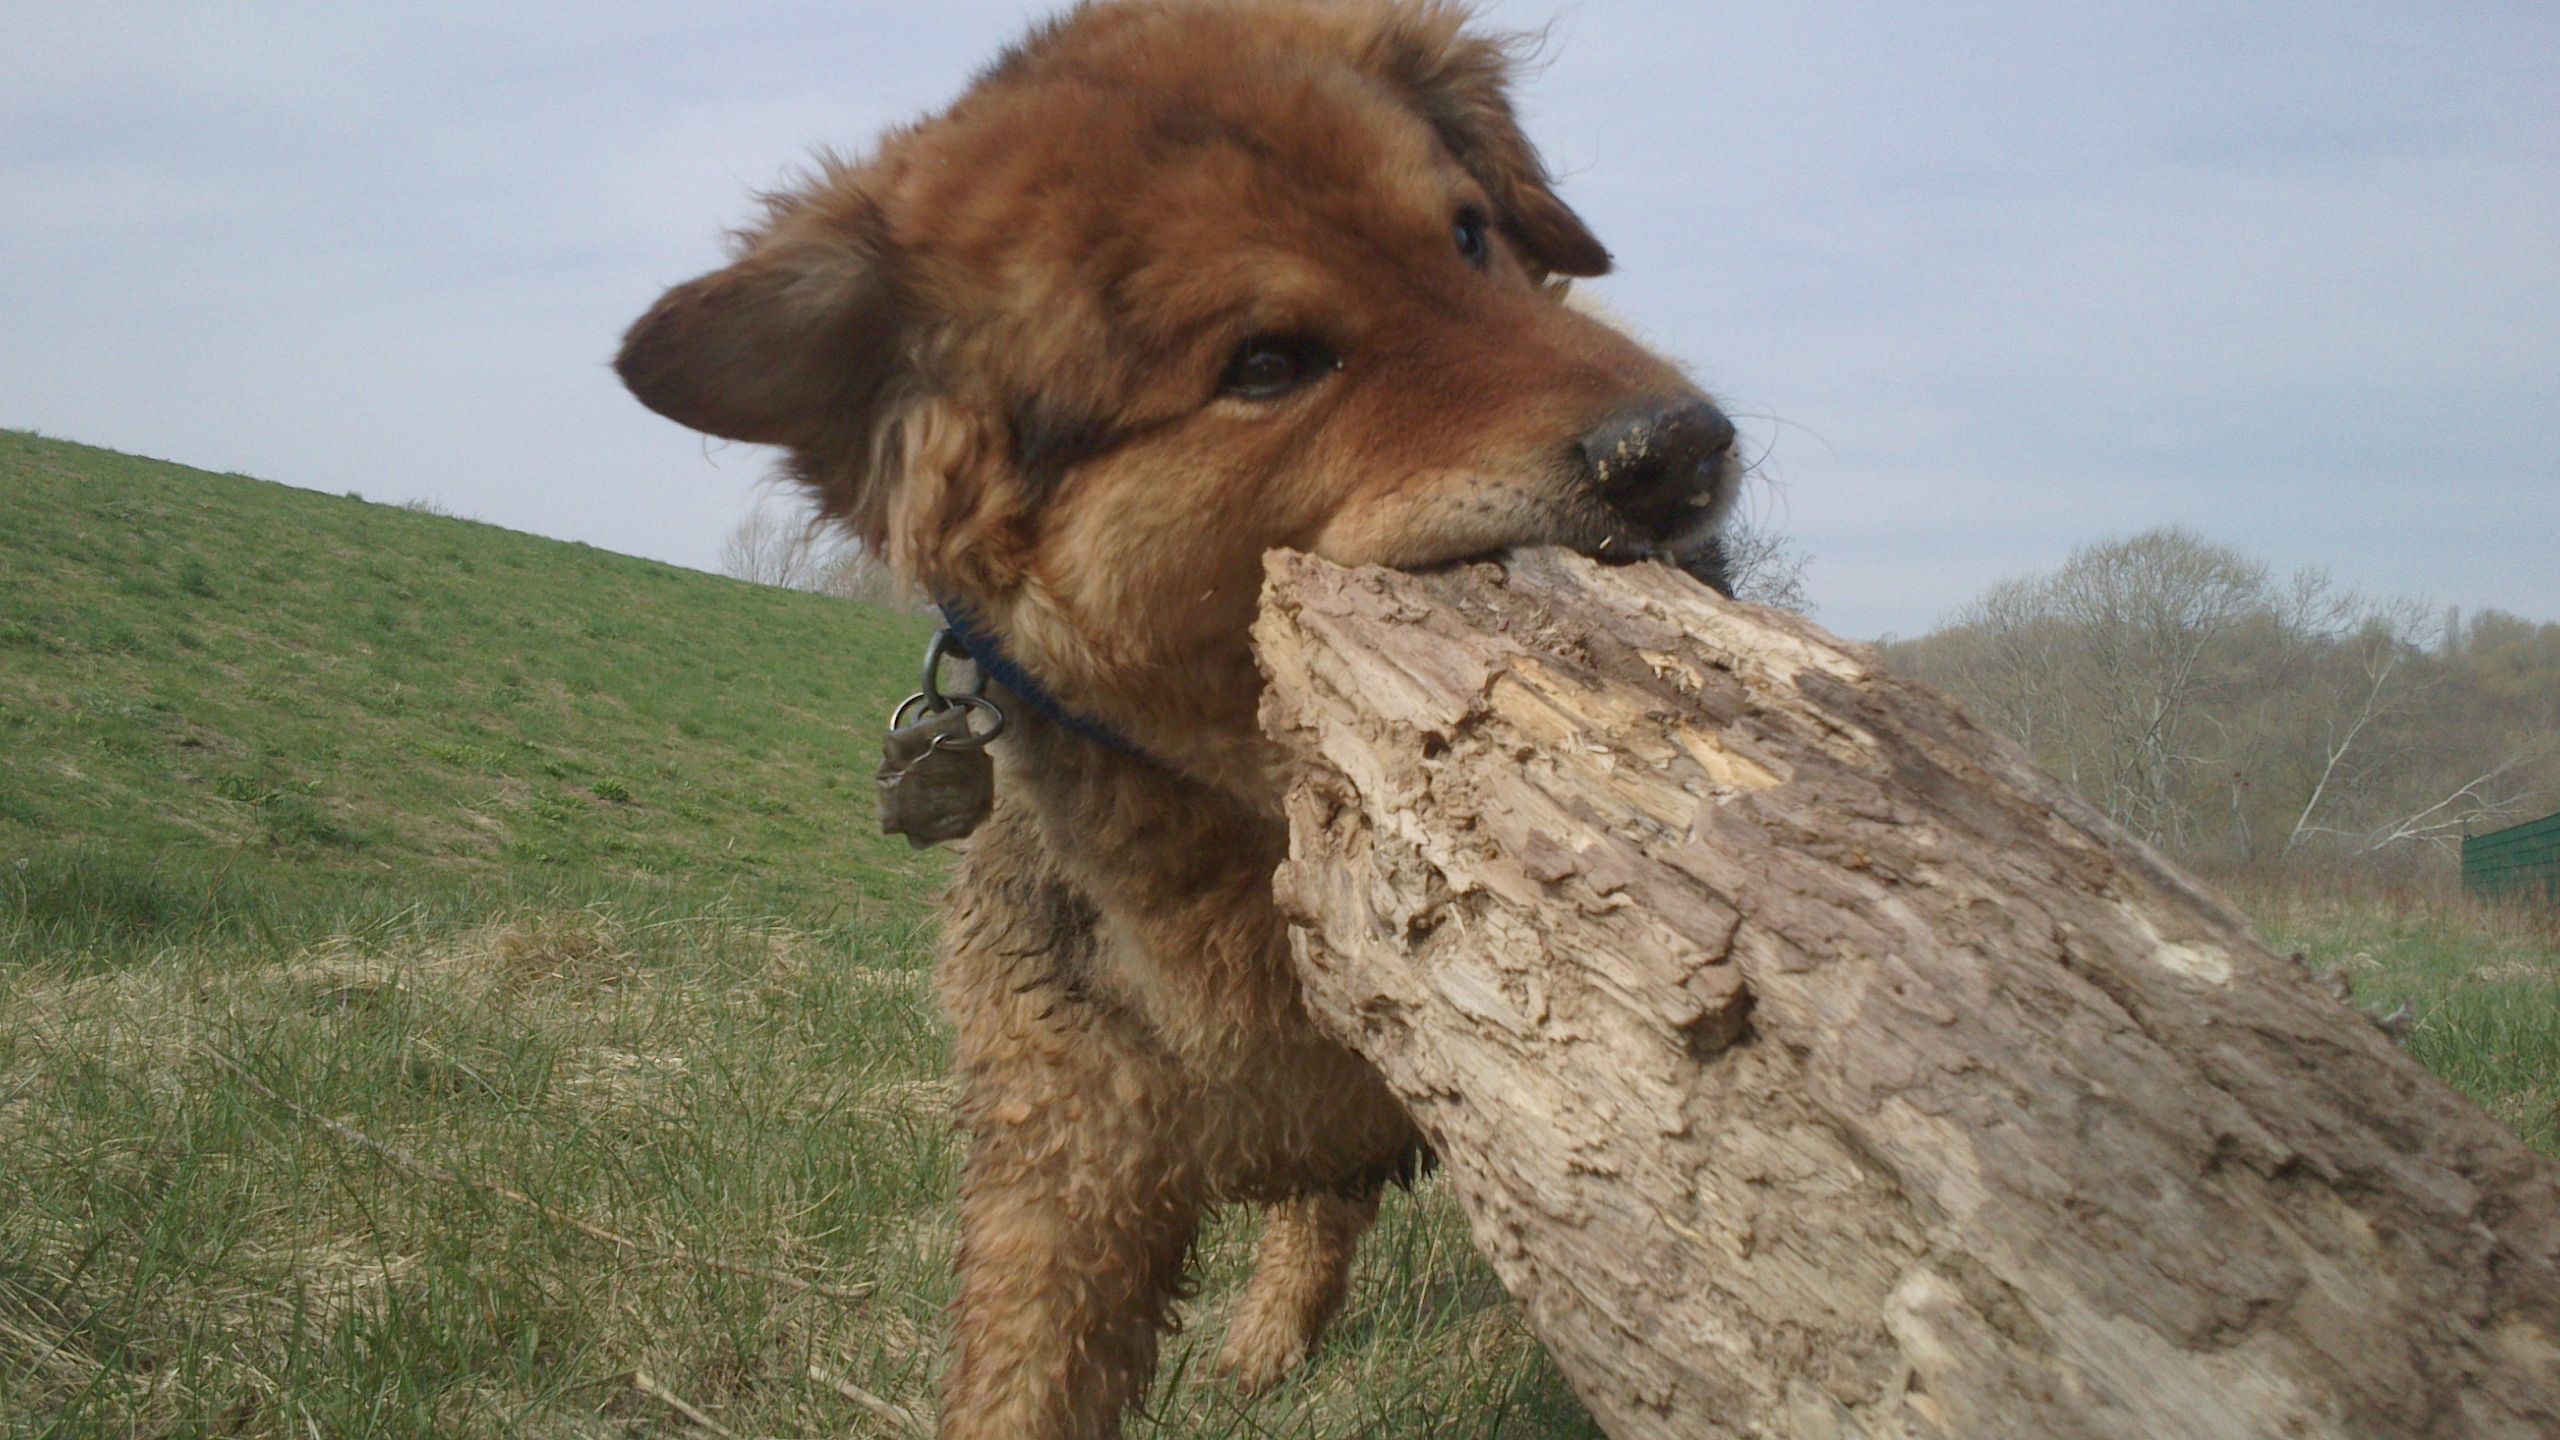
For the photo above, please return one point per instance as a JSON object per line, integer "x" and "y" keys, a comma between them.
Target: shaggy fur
{"x": 1174, "y": 283}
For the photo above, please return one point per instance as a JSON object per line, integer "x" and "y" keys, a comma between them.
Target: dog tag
{"x": 937, "y": 781}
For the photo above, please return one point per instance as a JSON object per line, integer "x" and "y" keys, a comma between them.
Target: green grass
{"x": 228, "y": 707}
{"x": 2481, "y": 982}
{"x": 552, "y": 871}
{"x": 186, "y": 1255}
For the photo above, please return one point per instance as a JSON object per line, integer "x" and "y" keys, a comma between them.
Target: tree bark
{"x": 1809, "y": 1065}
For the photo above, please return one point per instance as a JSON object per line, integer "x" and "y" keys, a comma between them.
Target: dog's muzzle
{"x": 1666, "y": 467}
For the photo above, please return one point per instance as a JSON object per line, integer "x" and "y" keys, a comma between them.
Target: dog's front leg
{"x": 1300, "y": 1276}
{"x": 1077, "y": 1213}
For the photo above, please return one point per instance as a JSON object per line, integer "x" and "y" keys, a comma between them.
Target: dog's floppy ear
{"x": 1460, "y": 83}
{"x": 796, "y": 344}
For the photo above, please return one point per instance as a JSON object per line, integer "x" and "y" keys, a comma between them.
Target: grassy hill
{"x": 227, "y": 704}
{"x": 446, "y": 975}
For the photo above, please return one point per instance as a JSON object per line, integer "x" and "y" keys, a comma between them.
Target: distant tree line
{"x": 2228, "y": 713}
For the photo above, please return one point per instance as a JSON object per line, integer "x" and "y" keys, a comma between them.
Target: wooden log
{"x": 1811, "y": 1066}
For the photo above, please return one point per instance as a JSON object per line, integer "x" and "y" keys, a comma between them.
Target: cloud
{"x": 2009, "y": 277}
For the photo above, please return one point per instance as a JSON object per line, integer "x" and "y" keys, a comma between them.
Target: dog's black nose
{"x": 1660, "y": 463}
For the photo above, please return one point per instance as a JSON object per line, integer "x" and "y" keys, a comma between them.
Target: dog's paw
{"x": 1262, "y": 1347}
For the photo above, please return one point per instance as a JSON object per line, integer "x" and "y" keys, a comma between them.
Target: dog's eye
{"x": 1475, "y": 245}
{"x": 1267, "y": 367}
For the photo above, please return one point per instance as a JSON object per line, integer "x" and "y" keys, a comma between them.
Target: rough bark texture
{"x": 1812, "y": 1066}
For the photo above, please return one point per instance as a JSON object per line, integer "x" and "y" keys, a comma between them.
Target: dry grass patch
{"x": 194, "y": 1249}
{"x": 2481, "y": 982}
{"x": 466, "y": 1181}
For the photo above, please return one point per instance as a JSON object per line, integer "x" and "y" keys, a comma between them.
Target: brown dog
{"x": 1176, "y": 282}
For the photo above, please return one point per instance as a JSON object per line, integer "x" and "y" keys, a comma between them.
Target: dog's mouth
{"x": 1700, "y": 553}
{"x": 1668, "y": 515}
{"x": 1598, "y": 531}
{"x": 1680, "y": 526}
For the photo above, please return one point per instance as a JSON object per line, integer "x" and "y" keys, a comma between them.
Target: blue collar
{"x": 980, "y": 645}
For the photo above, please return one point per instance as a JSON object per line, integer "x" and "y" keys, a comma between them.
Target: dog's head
{"x": 1175, "y": 283}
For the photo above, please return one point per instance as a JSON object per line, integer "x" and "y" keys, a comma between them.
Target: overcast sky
{"x": 1993, "y": 279}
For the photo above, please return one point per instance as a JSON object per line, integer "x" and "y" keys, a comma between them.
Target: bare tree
{"x": 2103, "y": 667}
{"x": 2149, "y": 614}
{"x": 2356, "y": 696}
{"x": 2493, "y": 796}
{"x": 1765, "y": 567}
{"x": 769, "y": 547}
{"x": 772, "y": 546}
{"x": 2012, "y": 659}
{"x": 854, "y": 573}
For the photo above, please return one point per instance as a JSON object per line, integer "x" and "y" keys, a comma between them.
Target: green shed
{"x": 2521, "y": 861}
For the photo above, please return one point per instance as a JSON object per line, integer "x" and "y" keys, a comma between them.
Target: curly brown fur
{"x": 1018, "y": 350}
